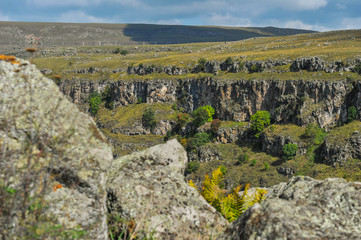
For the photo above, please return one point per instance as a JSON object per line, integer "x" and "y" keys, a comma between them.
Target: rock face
{"x": 294, "y": 101}
{"x": 334, "y": 153}
{"x": 149, "y": 187}
{"x": 303, "y": 208}
{"x": 50, "y": 154}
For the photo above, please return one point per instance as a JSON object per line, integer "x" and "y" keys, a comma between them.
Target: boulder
{"x": 53, "y": 161}
{"x": 303, "y": 208}
{"x": 149, "y": 189}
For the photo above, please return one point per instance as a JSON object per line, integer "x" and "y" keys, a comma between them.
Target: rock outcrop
{"x": 338, "y": 149}
{"x": 295, "y": 101}
{"x": 53, "y": 161}
{"x": 149, "y": 187}
{"x": 303, "y": 208}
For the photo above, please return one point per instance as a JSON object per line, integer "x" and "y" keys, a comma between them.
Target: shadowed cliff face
{"x": 294, "y": 101}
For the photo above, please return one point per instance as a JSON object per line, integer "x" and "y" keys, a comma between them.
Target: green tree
{"x": 200, "y": 115}
{"x": 351, "y": 113}
{"x": 259, "y": 121}
{"x": 289, "y": 150}
{"x": 198, "y": 140}
{"x": 148, "y": 119}
{"x": 315, "y": 133}
{"x": 95, "y": 100}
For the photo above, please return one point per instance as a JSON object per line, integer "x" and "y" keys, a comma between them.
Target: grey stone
{"x": 149, "y": 187}
{"x": 303, "y": 208}
{"x": 47, "y": 142}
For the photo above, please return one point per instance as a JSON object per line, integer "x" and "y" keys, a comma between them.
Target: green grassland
{"x": 330, "y": 46}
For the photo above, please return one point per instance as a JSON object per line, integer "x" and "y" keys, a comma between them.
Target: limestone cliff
{"x": 293, "y": 101}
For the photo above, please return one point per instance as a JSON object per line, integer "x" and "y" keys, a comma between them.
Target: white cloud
{"x": 81, "y": 17}
{"x": 351, "y": 23}
{"x": 80, "y": 3}
{"x": 169, "y": 22}
{"x": 228, "y": 20}
{"x": 301, "y": 5}
{"x": 4, "y": 18}
{"x": 297, "y": 24}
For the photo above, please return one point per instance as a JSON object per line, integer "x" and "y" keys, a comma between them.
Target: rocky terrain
{"x": 59, "y": 180}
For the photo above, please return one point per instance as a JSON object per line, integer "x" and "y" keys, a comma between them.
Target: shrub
{"x": 259, "y": 121}
{"x": 94, "y": 102}
{"x": 148, "y": 119}
{"x": 315, "y": 134}
{"x": 140, "y": 100}
{"x": 198, "y": 140}
{"x": 183, "y": 142}
{"x": 124, "y": 52}
{"x": 201, "y": 116}
{"x": 253, "y": 163}
{"x": 351, "y": 114}
{"x": 266, "y": 166}
{"x": 289, "y": 150}
{"x": 182, "y": 119}
{"x": 201, "y": 64}
{"x": 243, "y": 159}
{"x": 357, "y": 68}
{"x": 216, "y": 123}
{"x": 174, "y": 106}
{"x": 192, "y": 167}
{"x": 229, "y": 61}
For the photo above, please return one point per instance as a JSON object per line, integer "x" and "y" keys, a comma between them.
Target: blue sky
{"x": 321, "y": 15}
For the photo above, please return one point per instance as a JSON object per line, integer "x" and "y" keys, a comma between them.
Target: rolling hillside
{"x": 14, "y": 34}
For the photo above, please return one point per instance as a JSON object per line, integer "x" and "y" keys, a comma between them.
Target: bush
{"x": 182, "y": 119}
{"x": 266, "y": 166}
{"x": 140, "y": 100}
{"x": 289, "y": 150}
{"x": 357, "y": 68}
{"x": 174, "y": 106}
{"x": 201, "y": 115}
{"x": 229, "y": 61}
{"x": 192, "y": 167}
{"x": 259, "y": 121}
{"x": 198, "y": 140}
{"x": 124, "y": 52}
{"x": 315, "y": 133}
{"x": 351, "y": 114}
{"x": 95, "y": 100}
{"x": 148, "y": 119}
{"x": 243, "y": 159}
{"x": 253, "y": 163}
{"x": 216, "y": 123}
{"x": 201, "y": 64}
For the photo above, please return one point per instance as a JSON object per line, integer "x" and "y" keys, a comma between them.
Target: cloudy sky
{"x": 321, "y": 15}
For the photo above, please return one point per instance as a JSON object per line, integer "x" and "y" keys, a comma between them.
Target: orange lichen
{"x": 57, "y": 186}
{"x": 10, "y": 59}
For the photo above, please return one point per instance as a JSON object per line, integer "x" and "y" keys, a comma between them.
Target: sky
{"x": 319, "y": 15}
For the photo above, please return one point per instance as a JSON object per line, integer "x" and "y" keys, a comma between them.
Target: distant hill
{"x": 13, "y": 34}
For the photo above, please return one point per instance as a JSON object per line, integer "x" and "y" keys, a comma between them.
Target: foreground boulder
{"x": 53, "y": 161}
{"x": 148, "y": 189}
{"x": 303, "y": 208}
